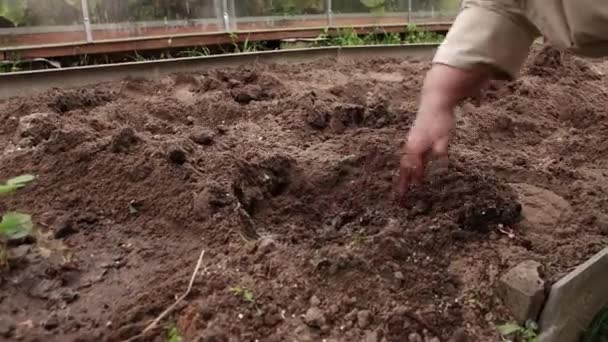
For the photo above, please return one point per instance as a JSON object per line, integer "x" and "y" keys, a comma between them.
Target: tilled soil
{"x": 285, "y": 175}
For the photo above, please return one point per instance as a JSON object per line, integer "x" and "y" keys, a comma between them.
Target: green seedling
{"x": 244, "y": 294}
{"x": 173, "y": 334}
{"x": 526, "y": 333}
{"x": 15, "y": 225}
{"x": 196, "y": 52}
{"x": 416, "y": 36}
{"x": 15, "y": 184}
{"x": 598, "y": 330}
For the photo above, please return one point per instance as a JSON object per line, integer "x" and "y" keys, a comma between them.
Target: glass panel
{"x": 40, "y": 22}
{"x": 434, "y": 10}
{"x": 280, "y": 14}
{"x": 115, "y": 19}
{"x": 392, "y": 12}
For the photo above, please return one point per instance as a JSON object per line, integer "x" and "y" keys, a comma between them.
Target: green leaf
{"x": 16, "y": 225}
{"x": 173, "y": 335}
{"x": 16, "y": 183}
{"x": 248, "y": 296}
{"x": 509, "y": 329}
{"x": 21, "y": 181}
{"x": 7, "y": 189}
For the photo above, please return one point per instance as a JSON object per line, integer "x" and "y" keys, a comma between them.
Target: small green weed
{"x": 246, "y": 46}
{"x": 417, "y": 36}
{"x": 350, "y": 37}
{"x": 173, "y": 334}
{"x": 527, "y": 333}
{"x": 14, "y": 225}
{"x": 244, "y": 294}
{"x": 196, "y": 52}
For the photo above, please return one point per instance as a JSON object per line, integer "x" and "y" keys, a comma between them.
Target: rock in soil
{"x": 414, "y": 337}
{"x": 523, "y": 290}
{"x": 314, "y": 301}
{"x": 364, "y": 318}
{"x": 304, "y": 333}
{"x": 314, "y": 318}
{"x": 202, "y": 136}
{"x": 266, "y": 245}
{"x": 371, "y": 336}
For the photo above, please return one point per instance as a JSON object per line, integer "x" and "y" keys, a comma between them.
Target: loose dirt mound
{"x": 285, "y": 176}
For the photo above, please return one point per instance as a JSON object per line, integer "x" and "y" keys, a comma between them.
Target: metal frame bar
{"x": 409, "y": 12}
{"x": 29, "y": 83}
{"x": 86, "y": 20}
{"x": 200, "y": 21}
{"x": 225, "y": 15}
{"x": 330, "y": 13}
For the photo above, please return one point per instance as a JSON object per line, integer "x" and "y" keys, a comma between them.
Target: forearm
{"x": 445, "y": 86}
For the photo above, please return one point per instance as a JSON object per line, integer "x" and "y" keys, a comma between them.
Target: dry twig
{"x": 154, "y": 323}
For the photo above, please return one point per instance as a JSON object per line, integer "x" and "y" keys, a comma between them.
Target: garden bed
{"x": 285, "y": 176}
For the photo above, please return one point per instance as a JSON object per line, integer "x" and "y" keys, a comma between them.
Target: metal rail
{"x": 29, "y": 83}
{"x": 185, "y": 40}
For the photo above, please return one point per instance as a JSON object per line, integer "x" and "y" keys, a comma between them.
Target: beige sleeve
{"x": 487, "y": 36}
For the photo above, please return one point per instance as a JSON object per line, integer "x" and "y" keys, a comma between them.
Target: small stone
{"x": 414, "y": 337}
{"x": 306, "y": 334}
{"x": 177, "y": 155}
{"x": 51, "y": 323}
{"x": 522, "y": 290}
{"x": 371, "y": 336}
{"x": 334, "y": 309}
{"x": 267, "y": 245}
{"x": 399, "y": 276}
{"x": 314, "y": 301}
{"x": 314, "y": 318}
{"x": 351, "y": 316}
{"x": 364, "y": 318}
{"x": 202, "y": 136}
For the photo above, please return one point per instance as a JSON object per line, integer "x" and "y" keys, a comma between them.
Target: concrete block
{"x": 522, "y": 290}
{"x": 575, "y": 300}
